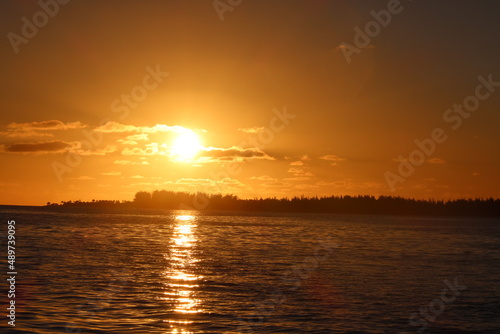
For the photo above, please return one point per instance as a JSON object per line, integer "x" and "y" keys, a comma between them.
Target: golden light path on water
{"x": 181, "y": 280}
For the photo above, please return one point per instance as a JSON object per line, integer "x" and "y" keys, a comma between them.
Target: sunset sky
{"x": 101, "y": 99}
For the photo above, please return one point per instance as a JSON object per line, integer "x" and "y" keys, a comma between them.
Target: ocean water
{"x": 185, "y": 272}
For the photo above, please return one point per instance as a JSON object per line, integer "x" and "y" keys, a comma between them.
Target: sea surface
{"x": 186, "y": 272}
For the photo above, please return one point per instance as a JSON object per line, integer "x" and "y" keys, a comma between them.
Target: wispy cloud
{"x": 255, "y": 129}
{"x": 133, "y": 139}
{"x": 115, "y": 127}
{"x": 276, "y": 184}
{"x": 111, "y": 127}
{"x": 113, "y": 173}
{"x": 128, "y": 162}
{"x": 332, "y": 157}
{"x": 139, "y": 136}
{"x": 78, "y": 149}
{"x": 350, "y": 184}
{"x": 263, "y": 178}
{"x": 195, "y": 182}
{"x": 299, "y": 171}
{"x": 297, "y": 178}
{"x": 206, "y": 155}
{"x": 230, "y": 182}
{"x": 234, "y": 153}
{"x": 148, "y": 149}
{"x": 297, "y": 163}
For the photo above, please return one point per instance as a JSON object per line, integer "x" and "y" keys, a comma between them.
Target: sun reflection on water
{"x": 181, "y": 277}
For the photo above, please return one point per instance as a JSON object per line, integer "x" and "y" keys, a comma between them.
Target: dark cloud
{"x": 39, "y": 147}
{"x": 38, "y": 129}
{"x": 45, "y": 125}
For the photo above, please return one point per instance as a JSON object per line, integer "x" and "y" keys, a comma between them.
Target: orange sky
{"x": 94, "y": 100}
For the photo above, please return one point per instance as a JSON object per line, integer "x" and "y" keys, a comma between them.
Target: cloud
{"x": 150, "y": 149}
{"x": 132, "y": 139}
{"x": 128, "y": 162}
{"x": 209, "y": 184}
{"x": 35, "y": 129}
{"x": 78, "y": 149}
{"x": 255, "y": 129}
{"x": 263, "y": 178}
{"x": 55, "y": 146}
{"x": 298, "y": 171}
{"x": 332, "y": 157}
{"x": 139, "y": 136}
{"x": 207, "y": 154}
{"x": 294, "y": 170}
{"x": 166, "y": 128}
{"x": 127, "y": 142}
{"x": 137, "y": 177}
{"x": 350, "y": 184}
{"x": 113, "y": 173}
{"x": 297, "y": 178}
{"x": 110, "y": 127}
{"x": 135, "y": 151}
{"x": 230, "y": 182}
{"x": 297, "y": 163}
{"x": 24, "y": 134}
{"x": 234, "y": 153}
{"x": 332, "y": 184}
{"x": 115, "y": 127}
{"x": 438, "y": 161}
{"x": 195, "y": 182}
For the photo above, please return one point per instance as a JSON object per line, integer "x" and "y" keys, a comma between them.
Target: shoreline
{"x": 226, "y": 212}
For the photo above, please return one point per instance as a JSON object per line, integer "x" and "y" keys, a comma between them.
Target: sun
{"x": 185, "y": 146}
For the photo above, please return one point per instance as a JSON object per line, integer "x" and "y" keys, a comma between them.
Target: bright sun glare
{"x": 186, "y": 146}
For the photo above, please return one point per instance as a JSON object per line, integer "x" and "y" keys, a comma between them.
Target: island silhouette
{"x": 361, "y": 204}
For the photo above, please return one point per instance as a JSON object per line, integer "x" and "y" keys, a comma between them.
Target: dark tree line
{"x": 162, "y": 199}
